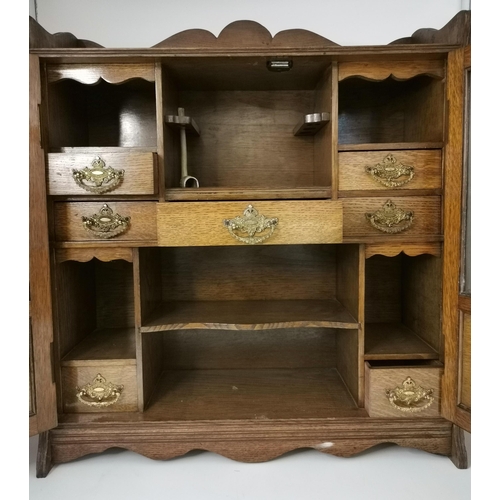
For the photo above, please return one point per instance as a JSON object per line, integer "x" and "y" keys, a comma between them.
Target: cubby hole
{"x": 102, "y": 115}
{"x": 95, "y": 312}
{"x": 403, "y": 308}
{"x": 246, "y": 116}
{"x": 391, "y": 111}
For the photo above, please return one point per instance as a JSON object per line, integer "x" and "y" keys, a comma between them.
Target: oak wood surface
{"x": 426, "y": 216}
{"x": 90, "y": 74}
{"x": 87, "y": 254}
{"x": 394, "y": 341}
{"x": 39, "y": 271}
{"x": 299, "y": 222}
{"x": 69, "y": 225}
{"x": 412, "y": 249}
{"x": 249, "y": 315}
{"x": 399, "y": 70}
{"x": 373, "y": 146}
{"x": 465, "y": 368}
{"x": 138, "y": 178}
{"x": 426, "y": 164}
{"x": 379, "y": 379}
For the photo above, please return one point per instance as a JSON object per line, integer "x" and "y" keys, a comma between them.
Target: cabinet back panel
{"x": 391, "y": 111}
{"x": 102, "y": 115}
{"x": 215, "y": 349}
{"x": 280, "y": 272}
{"x": 246, "y": 138}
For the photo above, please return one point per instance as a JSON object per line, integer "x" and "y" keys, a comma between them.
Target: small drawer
{"x": 240, "y": 223}
{"x": 99, "y": 387}
{"x": 397, "y": 216}
{"x": 102, "y": 173}
{"x": 384, "y": 170}
{"x": 103, "y": 221}
{"x": 404, "y": 390}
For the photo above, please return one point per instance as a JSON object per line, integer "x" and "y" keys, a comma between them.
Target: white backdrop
{"x": 143, "y": 23}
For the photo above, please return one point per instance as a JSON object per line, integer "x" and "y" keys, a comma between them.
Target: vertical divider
{"x": 361, "y": 330}
{"x": 335, "y": 130}
{"x": 147, "y": 295}
{"x": 160, "y": 132}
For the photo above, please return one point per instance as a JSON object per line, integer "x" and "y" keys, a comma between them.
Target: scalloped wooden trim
{"x": 42, "y": 39}
{"x": 399, "y": 70}
{"x": 410, "y": 249}
{"x": 456, "y": 32}
{"x": 251, "y": 442}
{"x": 87, "y": 254}
{"x": 247, "y": 35}
{"x": 90, "y": 74}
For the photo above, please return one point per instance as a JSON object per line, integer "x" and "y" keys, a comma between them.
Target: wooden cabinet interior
{"x": 301, "y": 283}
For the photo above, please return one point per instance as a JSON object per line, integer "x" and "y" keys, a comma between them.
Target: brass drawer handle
{"x": 390, "y": 170}
{"x": 410, "y": 397}
{"x": 98, "y": 178}
{"x": 390, "y": 219}
{"x": 99, "y": 393}
{"x": 106, "y": 224}
{"x": 251, "y": 223}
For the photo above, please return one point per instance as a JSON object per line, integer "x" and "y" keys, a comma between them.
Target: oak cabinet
{"x": 238, "y": 244}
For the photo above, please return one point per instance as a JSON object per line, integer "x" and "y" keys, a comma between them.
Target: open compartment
{"x": 249, "y": 122}
{"x": 284, "y": 318}
{"x": 390, "y": 111}
{"x": 403, "y": 307}
{"x": 96, "y": 335}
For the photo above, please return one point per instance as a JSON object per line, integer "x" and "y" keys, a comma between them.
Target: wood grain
{"x": 393, "y": 146}
{"x": 139, "y": 172}
{"x": 399, "y": 70}
{"x": 426, "y": 164}
{"x": 87, "y": 254}
{"x": 465, "y": 368}
{"x": 69, "y": 226}
{"x": 381, "y": 378}
{"x": 411, "y": 249}
{"x": 39, "y": 270}
{"x": 248, "y": 315}
{"x": 90, "y": 74}
{"x": 299, "y": 222}
{"x": 426, "y": 217}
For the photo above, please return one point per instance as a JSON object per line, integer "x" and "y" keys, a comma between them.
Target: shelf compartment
{"x": 249, "y": 315}
{"x": 391, "y": 341}
{"x": 250, "y": 394}
{"x": 391, "y": 111}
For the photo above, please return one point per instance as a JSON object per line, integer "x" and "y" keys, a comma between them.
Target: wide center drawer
{"x": 101, "y": 171}
{"x": 239, "y": 223}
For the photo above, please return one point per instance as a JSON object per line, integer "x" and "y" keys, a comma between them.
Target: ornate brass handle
{"x": 390, "y": 219}
{"x": 390, "y": 170}
{"x": 106, "y": 224}
{"x": 410, "y": 397}
{"x": 99, "y": 393}
{"x": 98, "y": 178}
{"x": 251, "y": 223}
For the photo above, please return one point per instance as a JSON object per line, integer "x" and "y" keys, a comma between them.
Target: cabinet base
{"x": 244, "y": 441}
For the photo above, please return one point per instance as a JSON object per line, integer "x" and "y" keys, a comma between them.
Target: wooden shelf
{"x": 249, "y": 315}
{"x": 388, "y": 341}
{"x": 213, "y": 194}
{"x": 110, "y": 345}
{"x": 250, "y": 394}
{"x": 382, "y": 146}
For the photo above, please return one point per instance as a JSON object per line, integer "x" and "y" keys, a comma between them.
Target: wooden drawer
{"x": 287, "y": 222}
{"x": 102, "y": 173}
{"x": 383, "y": 170}
{"x": 140, "y": 226}
{"x": 367, "y": 217}
{"x": 78, "y": 396}
{"x": 408, "y": 391}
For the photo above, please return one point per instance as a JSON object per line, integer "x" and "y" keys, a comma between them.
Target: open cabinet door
{"x": 457, "y": 246}
{"x": 43, "y": 409}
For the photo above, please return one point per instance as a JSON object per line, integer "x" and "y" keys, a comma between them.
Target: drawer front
{"x": 403, "y": 392}
{"x": 240, "y": 223}
{"x": 405, "y": 216}
{"x": 102, "y": 173}
{"x": 83, "y": 385}
{"x": 383, "y": 170}
{"x": 98, "y": 221}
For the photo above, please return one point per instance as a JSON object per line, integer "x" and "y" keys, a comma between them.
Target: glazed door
{"x": 456, "y": 404}
{"x": 42, "y": 393}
